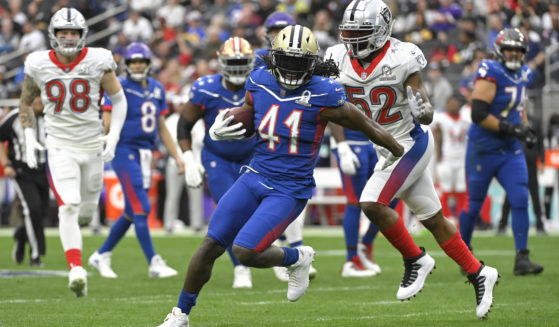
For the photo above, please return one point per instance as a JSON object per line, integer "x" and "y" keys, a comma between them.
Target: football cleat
{"x": 242, "y": 277}
{"x": 523, "y": 265}
{"x": 36, "y": 262}
{"x": 78, "y": 281}
{"x": 299, "y": 274}
{"x": 175, "y": 319}
{"x": 484, "y": 282}
{"x": 102, "y": 262}
{"x": 312, "y": 273}
{"x": 416, "y": 271}
{"x": 158, "y": 268}
{"x": 281, "y": 273}
{"x": 354, "y": 268}
{"x": 366, "y": 256}
{"x": 19, "y": 250}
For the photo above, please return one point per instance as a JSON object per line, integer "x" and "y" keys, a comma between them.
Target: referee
{"x": 31, "y": 185}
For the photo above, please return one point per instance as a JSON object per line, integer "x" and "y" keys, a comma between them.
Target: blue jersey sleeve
{"x": 487, "y": 70}
{"x": 333, "y": 91}
{"x": 196, "y": 96}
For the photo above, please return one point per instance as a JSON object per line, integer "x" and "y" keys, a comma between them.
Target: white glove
{"x": 193, "y": 170}
{"x": 110, "y": 141}
{"x": 31, "y": 145}
{"x": 349, "y": 162}
{"x": 416, "y": 104}
{"x": 389, "y": 158}
{"x": 221, "y": 131}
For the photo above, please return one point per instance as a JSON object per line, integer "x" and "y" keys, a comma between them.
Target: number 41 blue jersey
{"x": 145, "y": 106}
{"x": 509, "y": 103}
{"x": 289, "y": 130}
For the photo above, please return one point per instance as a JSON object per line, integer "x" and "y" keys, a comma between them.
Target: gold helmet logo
{"x": 236, "y": 59}
{"x": 294, "y": 56}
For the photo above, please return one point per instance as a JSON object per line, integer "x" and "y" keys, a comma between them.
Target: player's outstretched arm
{"x": 349, "y": 116}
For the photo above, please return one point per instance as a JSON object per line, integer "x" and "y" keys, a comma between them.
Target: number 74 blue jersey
{"x": 509, "y": 103}
{"x": 289, "y": 130}
{"x": 145, "y": 106}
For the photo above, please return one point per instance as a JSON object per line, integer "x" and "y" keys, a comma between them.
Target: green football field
{"x": 133, "y": 299}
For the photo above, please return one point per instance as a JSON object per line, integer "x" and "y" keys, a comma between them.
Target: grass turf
{"x": 136, "y": 300}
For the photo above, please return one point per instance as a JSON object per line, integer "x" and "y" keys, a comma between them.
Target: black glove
{"x": 524, "y": 133}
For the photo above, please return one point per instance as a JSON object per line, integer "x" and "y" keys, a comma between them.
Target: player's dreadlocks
{"x": 326, "y": 68}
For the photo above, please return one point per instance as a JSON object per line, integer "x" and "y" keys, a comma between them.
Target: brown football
{"x": 242, "y": 115}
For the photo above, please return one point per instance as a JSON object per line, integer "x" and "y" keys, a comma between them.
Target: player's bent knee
{"x": 210, "y": 249}
{"x": 87, "y": 210}
{"x": 244, "y": 255}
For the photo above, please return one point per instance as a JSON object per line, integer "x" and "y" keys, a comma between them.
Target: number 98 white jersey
{"x": 379, "y": 89}
{"x": 71, "y": 96}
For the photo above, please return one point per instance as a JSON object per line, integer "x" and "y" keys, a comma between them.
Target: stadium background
{"x": 184, "y": 37}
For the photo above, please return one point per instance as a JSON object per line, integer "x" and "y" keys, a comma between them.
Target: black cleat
{"x": 523, "y": 265}
{"x": 19, "y": 248}
{"x": 36, "y": 262}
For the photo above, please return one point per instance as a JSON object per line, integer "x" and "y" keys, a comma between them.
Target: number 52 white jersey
{"x": 71, "y": 96}
{"x": 379, "y": 89}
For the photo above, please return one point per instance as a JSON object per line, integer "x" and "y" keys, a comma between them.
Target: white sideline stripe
{"x": 287, "y": 302}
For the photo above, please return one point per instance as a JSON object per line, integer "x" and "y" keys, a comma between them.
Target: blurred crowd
{"x": 185, "y": 35}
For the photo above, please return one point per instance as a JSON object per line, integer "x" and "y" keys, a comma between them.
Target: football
{"x": 242, "y": 115}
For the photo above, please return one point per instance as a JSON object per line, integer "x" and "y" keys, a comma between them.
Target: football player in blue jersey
{"x": 292, "y": 102}
{"x": 356, "y": 159}
{"x": 133, "y": 157}
{"x": 221, "y": 161}
{"x": 494, "y": 148}
{"x": 273, "y": 24}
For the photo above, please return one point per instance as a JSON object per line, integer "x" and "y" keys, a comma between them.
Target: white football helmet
{"x": 67, "y": 19}
{"x": 236, "y": 59}
{"x": 365, "y": 27}
{"x": 294, "y": 56}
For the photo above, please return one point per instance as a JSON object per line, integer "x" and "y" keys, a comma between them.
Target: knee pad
{"x": 68, "y": 211}
{"x": 87, "y": 210}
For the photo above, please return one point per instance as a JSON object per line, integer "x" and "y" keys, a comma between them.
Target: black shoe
{"x": 19, "y": 249}
{"x": 540, "y": 229}
{"x": 523, "y": 265}
{"x": 501, "y": 230}
{"x": 36, "y": 262}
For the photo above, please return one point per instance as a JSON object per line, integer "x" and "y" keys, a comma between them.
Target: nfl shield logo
{"x": 363, "y": 75}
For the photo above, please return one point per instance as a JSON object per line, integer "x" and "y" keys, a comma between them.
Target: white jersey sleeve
{"x": 71, "y": 94}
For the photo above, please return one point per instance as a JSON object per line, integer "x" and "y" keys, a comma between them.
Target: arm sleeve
{"x": 118, "y": 115}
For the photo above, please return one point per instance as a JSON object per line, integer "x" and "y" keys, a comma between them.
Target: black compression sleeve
{"x": 480, "y": 110}
{"x": 184, "y": 127}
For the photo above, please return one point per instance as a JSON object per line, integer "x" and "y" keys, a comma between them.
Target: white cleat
{"x": 78, "y": 281}
{"x": 416, "y": 271}
{"x": 484, "y": 282}
{"x": 281, "y": 273}
{"x": 299, "y": 274}
{"x": 367, "y": 259}
{"x": 158, "y": 268}
{"x": 354, "y": 268}
{"x": 102, "y": 262}
{"x": 175, "y": 319}
{"x": 242, "y": 278}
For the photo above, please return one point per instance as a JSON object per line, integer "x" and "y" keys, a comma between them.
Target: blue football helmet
{"x": 135, "y": 51}
{"x": 275, "y": 22}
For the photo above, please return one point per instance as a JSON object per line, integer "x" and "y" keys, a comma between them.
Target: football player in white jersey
{"x": 382, "y": 75}
{"x": 70, "y": 79}
{"x": 450, "y": 129}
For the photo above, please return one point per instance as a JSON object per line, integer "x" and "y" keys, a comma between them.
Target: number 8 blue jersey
{"x": 289, "y": 130}
{"x": 145, "y": 106}
{"x": 509, "y": 103}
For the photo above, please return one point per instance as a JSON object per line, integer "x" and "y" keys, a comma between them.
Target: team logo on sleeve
{"x": 304, "y": 99}
{"x": 387, "y": 74}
